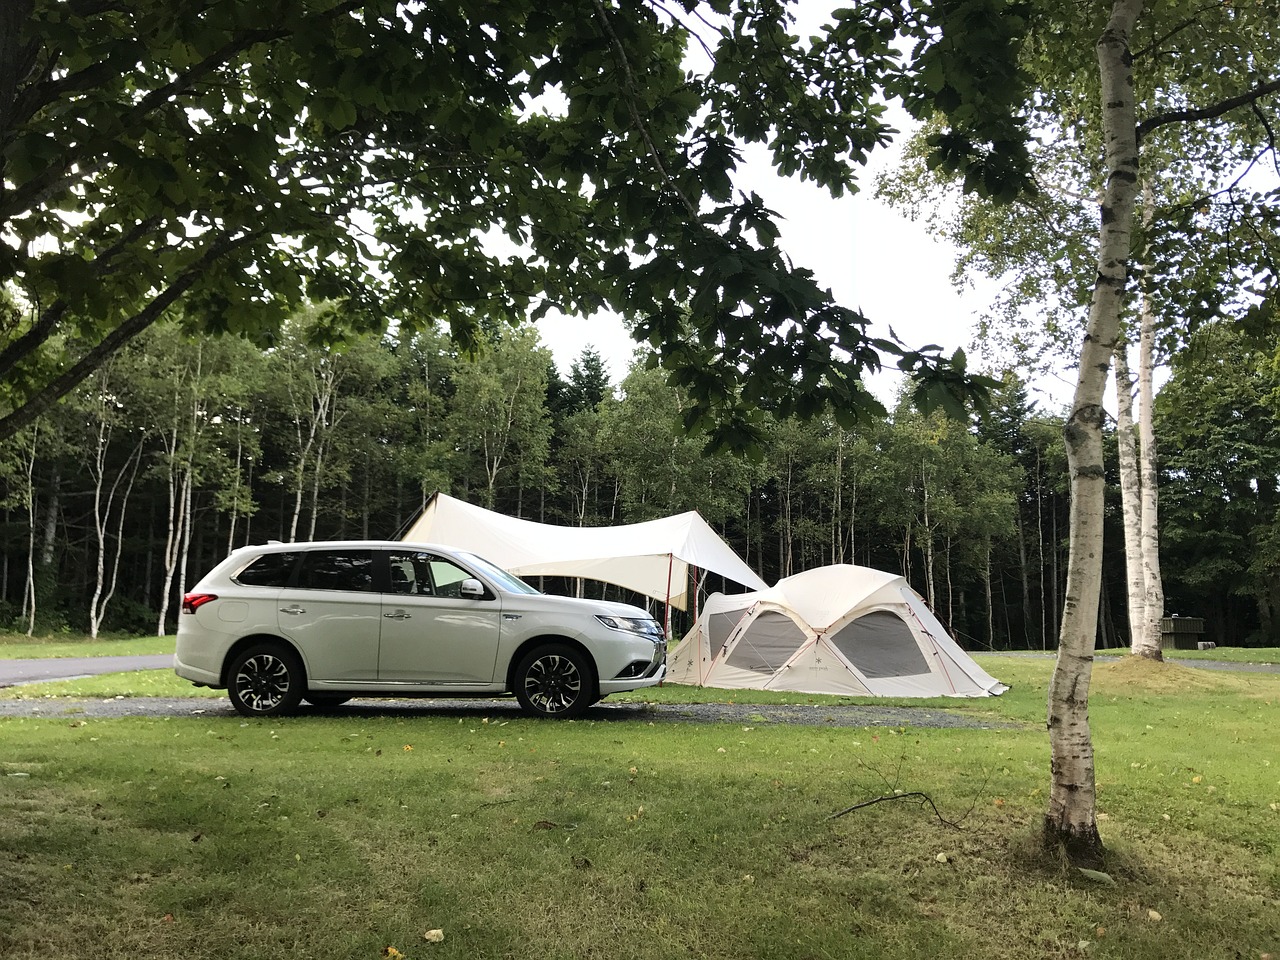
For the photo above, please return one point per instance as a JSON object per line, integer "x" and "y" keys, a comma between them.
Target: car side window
{"x": 447, "y": 578}
{"x": 350, "y": 570}
{"x": 409, "y": 574}
{"x": 268, "y": 570}
{"x": 426, "y": 575}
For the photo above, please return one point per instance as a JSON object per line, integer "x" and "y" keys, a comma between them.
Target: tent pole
{"x": 671, "y": 560}
{"x": 697, "y": 583}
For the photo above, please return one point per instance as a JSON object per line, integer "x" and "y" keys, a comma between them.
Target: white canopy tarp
{"x": 839, "y": 629}
{"x": 650, "y": 558}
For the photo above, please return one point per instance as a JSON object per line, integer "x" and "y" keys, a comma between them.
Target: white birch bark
{"x": 1071, "y": 823}
{"x": 235, "y": 493}
{"x": 104, "y": 586}
{"x": 181, "y": 445}
{"x": 29, "y": 496}
{"x": 926, "y": 538}
{"x": 1130, "y": 498}
{"x": 312, "y": 415}
{"x": 178, "y": 485}
{"x": 172, "y": 490}
{"x": 322, "y": 453}
{"x": 188, "y": 526}
{"x": 1146, "y": 642}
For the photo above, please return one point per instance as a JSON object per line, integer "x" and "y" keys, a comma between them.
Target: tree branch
{"x": 1160, "y": 41}
{"x": 34, "y": 191}
{"x": 634, "y": 110}
{"x": 1207, "y": 113}
{"x": 43, "y": 328}
{"x": 121, "y": 334}
{"x": 920, "y": 798}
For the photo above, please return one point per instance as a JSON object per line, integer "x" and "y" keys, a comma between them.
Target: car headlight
{"x": 641, "y": 626}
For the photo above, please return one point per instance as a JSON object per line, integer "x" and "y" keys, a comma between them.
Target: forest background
{"x": 183, "y": 447}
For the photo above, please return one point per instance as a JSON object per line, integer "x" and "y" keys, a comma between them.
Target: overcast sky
{"x": 872, "y": 258}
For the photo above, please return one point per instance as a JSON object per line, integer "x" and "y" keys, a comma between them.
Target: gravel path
{"x": 744, "y": 714}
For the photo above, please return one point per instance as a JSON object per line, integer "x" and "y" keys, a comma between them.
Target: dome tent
{"x": 839, "y": 629}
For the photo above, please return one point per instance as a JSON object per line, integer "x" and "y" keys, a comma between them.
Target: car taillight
{"x": 194, "y": 601}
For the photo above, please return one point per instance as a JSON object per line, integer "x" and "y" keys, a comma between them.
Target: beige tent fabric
{"x": 651, "y": 558}
{"x": 840, "y": 629}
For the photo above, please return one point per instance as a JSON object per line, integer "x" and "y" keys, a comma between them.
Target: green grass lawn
{"x": 336, "y": 837}
{"x": 18, "y": 646}
{"x": 1229, "y": 654}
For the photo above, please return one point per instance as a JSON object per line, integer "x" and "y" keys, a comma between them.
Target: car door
{"x": 334, "y": 614}
{"x": 430, "y": 632}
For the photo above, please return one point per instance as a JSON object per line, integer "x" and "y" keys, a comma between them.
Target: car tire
{"x": 555, "y": 681}
{"x": 266, "y": 680}
{"x": 326, "y": 701}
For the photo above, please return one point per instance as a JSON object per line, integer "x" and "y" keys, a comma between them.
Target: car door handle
{"x": 294, "y": 610}
{"x": 398, "y": 615}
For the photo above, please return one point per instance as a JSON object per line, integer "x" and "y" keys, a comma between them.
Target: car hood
{"x": 546, "y": 602}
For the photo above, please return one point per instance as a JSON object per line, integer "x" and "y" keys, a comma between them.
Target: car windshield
{"x": 508, "y": 582}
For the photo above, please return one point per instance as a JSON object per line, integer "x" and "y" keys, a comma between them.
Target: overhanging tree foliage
{"x": 473, "y": 162}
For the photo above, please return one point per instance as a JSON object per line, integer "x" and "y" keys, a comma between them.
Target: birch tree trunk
{"x": 1070, "y": 824}
{"x": 1146, "y": 642}
{"x": 1045, "y": 619}
{"x": 188, "y": 526}
{"x": 1130, "y": 499}
{"x": 104, "y": 585}
{"x": 311, "y": 416}
{"x": 29, "y": 499}
{"x": 1024, "y": 578}
{"x": 986, "y": 583}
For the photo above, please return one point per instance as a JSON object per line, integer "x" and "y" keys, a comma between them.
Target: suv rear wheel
{"x": 265, "y": 680}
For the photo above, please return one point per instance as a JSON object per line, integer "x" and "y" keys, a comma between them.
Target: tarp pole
{"x": 671, "y": 561}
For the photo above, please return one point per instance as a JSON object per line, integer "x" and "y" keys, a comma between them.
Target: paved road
{"x": 64, "y": 668}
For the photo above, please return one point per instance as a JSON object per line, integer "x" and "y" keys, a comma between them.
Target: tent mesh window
{"x": 719, "y": 626}
{"x": 881, "y": 644}
{"x": 767, "y": 643}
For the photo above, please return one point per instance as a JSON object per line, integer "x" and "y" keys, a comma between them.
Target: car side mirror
{"x": 471, "y": 587}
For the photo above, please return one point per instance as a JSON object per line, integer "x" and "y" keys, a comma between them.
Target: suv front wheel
{"x": 555, "y": 681}
{"x": 265, "y": 680}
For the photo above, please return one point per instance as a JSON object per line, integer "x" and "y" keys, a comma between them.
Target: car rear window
{"x": 268, "y": 570}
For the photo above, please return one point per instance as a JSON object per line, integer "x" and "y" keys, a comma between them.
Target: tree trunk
{"x": 951, "y": 612}
{"x": 1146, "y": 642}
{"x": 1130, "y": 500}
{"x": 105, "y": 581}
{"x": 927, "y": 544}
{"x": 29, "y": 495}
{"x": 1023, "y": 577}
{"x": 986, "y": 583}
{"x": 1045, "y": 618}
{"x": 1070, "y": 824}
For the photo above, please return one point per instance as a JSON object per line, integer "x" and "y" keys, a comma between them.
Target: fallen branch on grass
{"x": 921, "y": 798}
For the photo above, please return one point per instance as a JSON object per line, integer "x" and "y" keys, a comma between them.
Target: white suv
{"x": 325, "y": 622}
